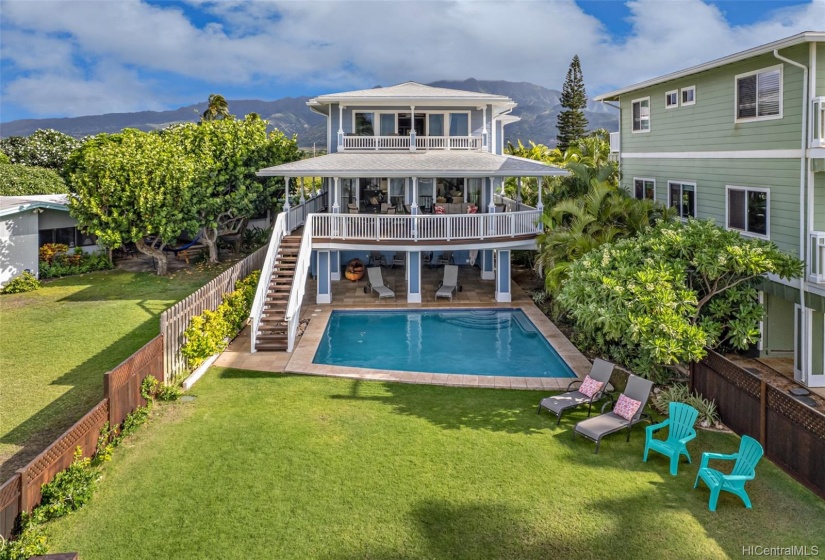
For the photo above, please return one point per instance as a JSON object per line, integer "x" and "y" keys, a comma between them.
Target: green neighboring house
{"x": 741, "y": 140}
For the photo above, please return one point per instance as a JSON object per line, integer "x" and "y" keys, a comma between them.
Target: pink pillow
{"x": 626, "y": 407}
{"x": 439, "y": 209}
{"x": 472, "y": 209}
{"x": 590, "y": 386}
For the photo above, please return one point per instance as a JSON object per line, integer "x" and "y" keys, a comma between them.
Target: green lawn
{"x": 276, "y": 466}
{"x": 56, "y": 343}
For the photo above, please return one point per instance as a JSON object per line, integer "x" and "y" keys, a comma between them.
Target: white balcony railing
{"x": 510, "y": 204}
{"x": 418, "y": 228}
{"x": 818, "y": 116}
{"x": 405, "y": 142}
{"x": 817, "y": 261}
{"x": 615, "y": 141}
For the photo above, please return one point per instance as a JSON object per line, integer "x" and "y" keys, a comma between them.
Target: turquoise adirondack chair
{"x": 750, "y": 452}
{"x": 680, "y": 421}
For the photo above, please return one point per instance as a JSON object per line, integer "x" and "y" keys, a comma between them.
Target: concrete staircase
{"x": 272, "y": 330}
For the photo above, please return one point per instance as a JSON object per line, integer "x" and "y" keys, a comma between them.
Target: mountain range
{"x": 538, "y": 108}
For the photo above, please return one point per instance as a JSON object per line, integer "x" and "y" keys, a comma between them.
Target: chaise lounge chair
{"x": 449, "y": 284}
{"x": 376, "y": 283}
{"x": 628, "y": 410}
{"x": 600, "y": 373}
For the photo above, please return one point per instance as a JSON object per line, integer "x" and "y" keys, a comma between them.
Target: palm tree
{"x": 217, "y": 107}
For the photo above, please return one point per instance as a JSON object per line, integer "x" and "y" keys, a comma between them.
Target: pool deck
{"x": 476, "y": 293}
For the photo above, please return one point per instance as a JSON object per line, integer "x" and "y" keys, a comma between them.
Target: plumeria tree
{"x": 44, "y": 148}
{"x": 135, "y": 187}
{"x": 661, "y": 297}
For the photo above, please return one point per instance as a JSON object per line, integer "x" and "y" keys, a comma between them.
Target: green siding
{"x": 709, "y": 124}
{"x": 818, "y": 343}
{"x": 778, "y": 328}
{"x": 711, "y": 176}
{"x": 819, "y": 201}
{"x": 820, "y": 69}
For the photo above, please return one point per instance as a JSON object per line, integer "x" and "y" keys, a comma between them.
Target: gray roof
{"x": 16, "y": 204}
{"x": 441, "y": 163}
{"x": 806, "y": 37}
{"x": 411, "y": 90}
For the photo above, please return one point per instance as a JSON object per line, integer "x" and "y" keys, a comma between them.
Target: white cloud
{"x": 96, "y": 48}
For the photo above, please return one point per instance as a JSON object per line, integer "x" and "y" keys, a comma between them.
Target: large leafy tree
{"x": 571, "y": 122}
{"x": 228, "y": 152}
{"x": 44, "y": 148}
{"x": 661, "y": 297}
{"x": 217, "y": 108}
{"x": 135, "y": 187}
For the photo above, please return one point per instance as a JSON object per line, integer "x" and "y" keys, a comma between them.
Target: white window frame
{"x": 375, "y": 120}
{"x": 682, "y": 93}
{"x": 736, "y": 79}
{"x": 669, "y": 105}
{"x": 649, "y": 114}
{"x": 652, "y": 180}
{"x": 695, "y": 196}
{"x": 746, "y": 233}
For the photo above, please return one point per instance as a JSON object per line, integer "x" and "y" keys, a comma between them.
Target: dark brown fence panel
{"x": 792, "y": 433}
{"x": 122, "y": 384}
{"x": 796, "y": 439}
{"x": 736, "y": 393}
{"x": 59, "y": 455}
{"x": 9, "y": 505}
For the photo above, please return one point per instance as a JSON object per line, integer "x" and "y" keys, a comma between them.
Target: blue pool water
{"x": 464, "y": 341}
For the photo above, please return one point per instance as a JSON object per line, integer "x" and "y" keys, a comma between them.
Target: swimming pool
{"x": 464, "y": 341}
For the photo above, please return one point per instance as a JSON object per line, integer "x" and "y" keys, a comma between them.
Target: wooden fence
{"x": 175, "y": 320}
{"x": 121, "y": 395}
{"x": 792, "y": 434}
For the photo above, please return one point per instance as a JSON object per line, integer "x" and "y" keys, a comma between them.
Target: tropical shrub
{"x": 26, "y": 282}
{"x": 4, "y": 159}
{"x": 21, "y": 180}
{"x": 208, "y": 333}
{"x": 31, "y": 541}
{"x": 56, "y": 261}
{"x": 69, "y": 490}
{"x": 679, "y": 392}
{"x": 49, "y": 252}
{"x": 660, "y": 298}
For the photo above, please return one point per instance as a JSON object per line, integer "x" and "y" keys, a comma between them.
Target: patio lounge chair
{"x": 399, "y": 259}
{"x": 596, "y": 428}
{"x": 600, "y": 372}
{"x": 445, "y": 258}
{"x": 377, "y": 258}
{"x": 449, "y": 284}
{"x": 680, "y": 420}
{"x": 750, "y": 452}
{"x": 376, "y": 283}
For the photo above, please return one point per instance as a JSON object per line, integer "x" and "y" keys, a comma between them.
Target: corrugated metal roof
{"x": 16, "y": 204}
{"x": 446, "y": 163}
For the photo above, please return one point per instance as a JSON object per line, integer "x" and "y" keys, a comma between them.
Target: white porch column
{"x": 335, "y": 208}
{"x": 540, "y": 204}
{"x": 286, "y": 193}
{"x": 518, "y": 194}
{"x": 412, "y": 128}
{"x": 503, "y": 289}
{"x": 414, "y": 205}
{"x": 334, "y": 267}
{"x": 485, "y": 140}
{"x": 491, "y": 206}
{"x": 414, "y": 277}
{"x": 303, "y": 195}
{"x": 324, "y": 291}
{"x": 340, "y": 128}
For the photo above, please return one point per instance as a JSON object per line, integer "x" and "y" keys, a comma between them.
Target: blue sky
{"x": 80, "y": 57}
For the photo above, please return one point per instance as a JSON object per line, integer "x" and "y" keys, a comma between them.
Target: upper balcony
{"x": 818, "y": 116}
{"x": 354, "y": 143}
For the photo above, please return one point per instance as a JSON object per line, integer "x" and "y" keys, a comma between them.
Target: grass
{"x": 56, "y": 343}
{"x": 277, "y": 466}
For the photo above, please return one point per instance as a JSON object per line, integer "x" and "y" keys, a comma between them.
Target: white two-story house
{"x": 741, "y": 140}
{"x": 412, "y": 172}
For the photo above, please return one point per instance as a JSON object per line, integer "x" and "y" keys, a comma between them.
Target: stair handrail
{"x": 299, "y": 280}
{"x": 278, "y": 232}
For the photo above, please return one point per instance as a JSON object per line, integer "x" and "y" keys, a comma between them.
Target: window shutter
{"x": 768, "y": 93}
{"x": 746, "y": 96}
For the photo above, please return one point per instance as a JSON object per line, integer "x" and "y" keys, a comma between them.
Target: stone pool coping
{"x": 301, "y": 359}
